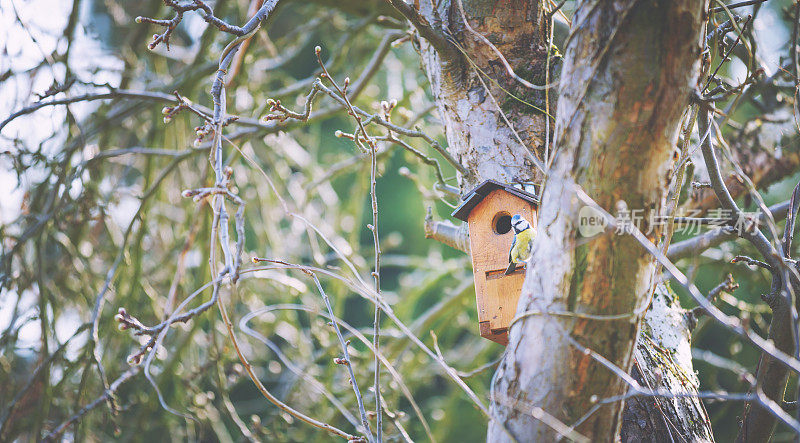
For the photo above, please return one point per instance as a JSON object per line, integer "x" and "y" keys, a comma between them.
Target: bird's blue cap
{"x": 515, "y": 219}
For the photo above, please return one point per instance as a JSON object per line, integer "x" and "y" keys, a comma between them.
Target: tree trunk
{"x": 477, "y": 133}
{"x": 478, "y": 136}
{"x": 663, "y": 360}
{"x": 628, "y": 70}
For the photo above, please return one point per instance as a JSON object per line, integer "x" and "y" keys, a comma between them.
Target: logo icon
{"x": 591, "y": 222}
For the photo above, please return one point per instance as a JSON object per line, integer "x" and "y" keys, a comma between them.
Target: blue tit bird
{"x": 521, "y": 246}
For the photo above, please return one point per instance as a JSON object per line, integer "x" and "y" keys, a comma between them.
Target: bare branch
{"x": 445, "y": 232}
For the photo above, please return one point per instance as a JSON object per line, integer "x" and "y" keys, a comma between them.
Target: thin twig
{"x": 736, "y": 5}
{"x": 107, "y": 394}
{"x": 728, "y": 53}
{"x": 243, "y": 323}
{"x": 376, "y": 244}
{"x": 344, "y": 345}
{"x": 751, "y": 261}
{"x": 727, "y": 285}
{"x": 274, "y": 400}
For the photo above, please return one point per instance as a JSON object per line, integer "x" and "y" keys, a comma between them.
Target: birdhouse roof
{"x": 482, "y": 191}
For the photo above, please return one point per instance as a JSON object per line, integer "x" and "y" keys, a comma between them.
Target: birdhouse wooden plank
{"x": 488, "y": 210}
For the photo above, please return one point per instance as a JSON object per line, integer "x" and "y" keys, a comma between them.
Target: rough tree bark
{"x": 477, "y": 133}
{"x": 628, "y": 70}
{"x": 663, "y": 360}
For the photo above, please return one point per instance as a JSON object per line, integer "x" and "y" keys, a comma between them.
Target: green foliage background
{"x": 71, "y": 231}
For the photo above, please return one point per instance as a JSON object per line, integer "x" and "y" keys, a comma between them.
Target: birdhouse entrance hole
{"x": 501, "y": 223}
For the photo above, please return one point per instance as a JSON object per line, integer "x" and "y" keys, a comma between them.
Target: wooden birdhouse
{"x": 488, "y": 210}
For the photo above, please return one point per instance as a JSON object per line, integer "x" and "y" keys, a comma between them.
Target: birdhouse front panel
{"x": 491, "y": 236}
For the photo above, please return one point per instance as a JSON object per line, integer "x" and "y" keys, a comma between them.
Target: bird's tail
{"x": 511, "y": 268}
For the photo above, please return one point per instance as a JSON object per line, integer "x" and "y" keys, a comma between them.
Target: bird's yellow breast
{"x": 522, "y": 247}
